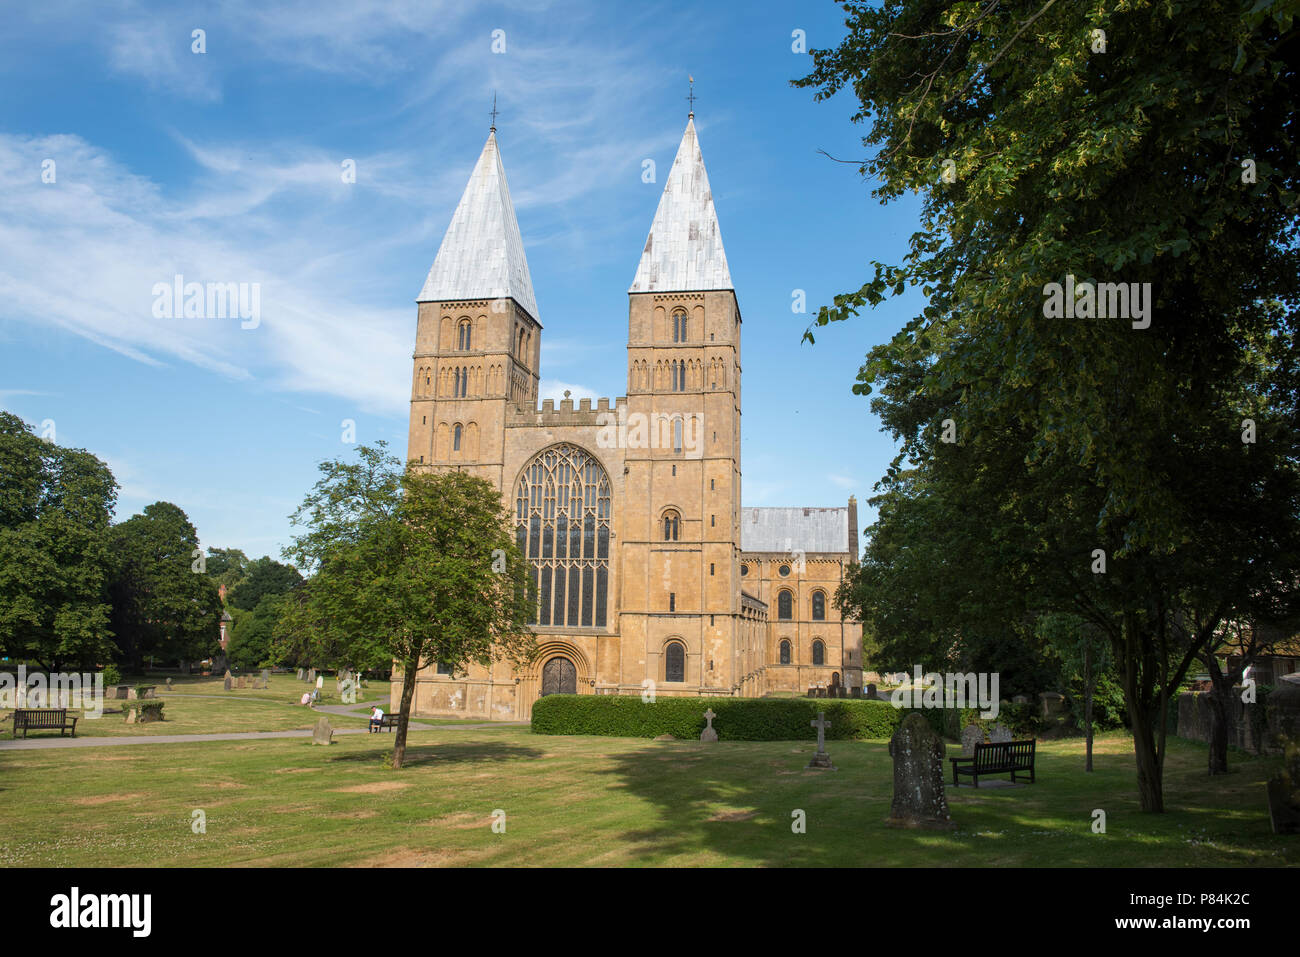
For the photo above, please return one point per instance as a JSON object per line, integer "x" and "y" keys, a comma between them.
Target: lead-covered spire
{"x": 482, "y": 254}
{"x": 683, "y": 252}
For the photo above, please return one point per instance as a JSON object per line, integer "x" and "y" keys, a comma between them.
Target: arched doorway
{"x": 559, "y": 676}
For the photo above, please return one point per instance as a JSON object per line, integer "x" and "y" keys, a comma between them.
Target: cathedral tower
{"x": 478, "y": 338}
{"x": 681, "y": 602}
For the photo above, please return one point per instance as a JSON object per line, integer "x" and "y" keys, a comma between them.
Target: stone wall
{"x": 1250, "y": 729}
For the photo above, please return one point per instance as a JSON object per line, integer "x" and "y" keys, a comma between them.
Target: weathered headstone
{"x": 1053, "y": 703}
{"x": 300, "y": 674}
{"x": 169, "y": 684}
{"x": 320, "y": 682}
{"x": 708, "y": 734}
{"x": 1000, "y": 734}
{"x": 227, "y": 682}
{"x": 918, "y": 753}
{"x": 266, "y": 674}
{"x": 972, "y": 736}
{"x": 322, "y": 733}
{"x": 239, "y": 682}
{"x": 821, "y": 759}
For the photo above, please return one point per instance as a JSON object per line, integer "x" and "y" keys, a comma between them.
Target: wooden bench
{"x": 1016, "y": 757}
{"x": 388, "y": 722}
{"x": 43, "y": 719}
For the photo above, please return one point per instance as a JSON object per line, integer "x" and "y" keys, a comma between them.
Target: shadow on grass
{"x": 446, "y": 753}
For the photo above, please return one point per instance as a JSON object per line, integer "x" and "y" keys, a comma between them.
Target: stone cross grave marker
{"x": 322, "y": 733}
{"x": 821, "y": 759}
{"x": 708, "y": 734}
{"x": 972, "y": 736}
{"x": 918, "y": 753}
{"x": 1000, "y": 734}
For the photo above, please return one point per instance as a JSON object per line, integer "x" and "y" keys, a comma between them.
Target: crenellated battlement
{"x": 548, "y": 415}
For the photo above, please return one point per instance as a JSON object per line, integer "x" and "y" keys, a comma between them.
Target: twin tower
{"x": 629, "y": 512}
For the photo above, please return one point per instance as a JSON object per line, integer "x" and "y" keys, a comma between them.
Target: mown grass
{"x": 573, "y": 801}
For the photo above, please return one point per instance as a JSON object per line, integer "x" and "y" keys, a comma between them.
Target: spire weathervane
{"x": 493, "y": 127}
{"x": 691, "y": 97}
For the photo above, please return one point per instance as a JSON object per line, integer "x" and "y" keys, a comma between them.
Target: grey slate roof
{"x": 482, "y": 254}
{"x": 683, "y": 252}
{"x": 794, "y": 529}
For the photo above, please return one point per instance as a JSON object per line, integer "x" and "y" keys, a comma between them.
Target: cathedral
{"x": 651, "y": 575}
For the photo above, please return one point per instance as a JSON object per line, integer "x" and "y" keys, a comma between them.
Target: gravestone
{"x": 972, "y": 736}
{"x": 311, "y": 674}
{"x": 300, "y": 674}
{"x": 1000, "y": 734}
{"x": 169, "y": 684}
{"x": 266, "y": 676}
{"x": 1053, "y": 703}
{"x": 918, "y": 753}
{"x": 322, "y": 733}
{"x": 259, "y": 684}
{"x": 821, "y": 760}
{"x": 708, "y": 734}
{"x": 227, "y": 682}
{"x": 239, "y": 682}
{"x": 1020, "y": 699}
{"x": 320, "y": 682}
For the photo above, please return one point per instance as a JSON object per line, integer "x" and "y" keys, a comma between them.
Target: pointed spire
{"x": 683, "y": 252}
{"x": 482, "y": 254}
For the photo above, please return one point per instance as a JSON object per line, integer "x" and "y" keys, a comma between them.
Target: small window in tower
{"x": 455, "y": 442}
{"x": 744, "y": 570}
{"x": 710, "y": 568}
{"x": 671, "y": 525}
{"x": 710, "y": 485}
{"x": 674, "y": 469}
{"x": 463, "y": 340}
{"x": 672, "y": 601}
{"x": 713, "y": 521}
{"x": 677, "y": 438}
{"x": 424, "y": 420}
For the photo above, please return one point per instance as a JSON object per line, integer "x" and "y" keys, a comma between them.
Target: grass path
{"x": 602, "y": 801}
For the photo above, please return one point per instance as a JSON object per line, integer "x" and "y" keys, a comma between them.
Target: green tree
{"x": 252, "y": 645}
{"x": 55, "y": 506}
{"x": 411, "y": 567}
{"x": 227, "y": 566}
{"x": 161, "y": 605}
{"x": 262, "y": 577}
{"x": 1107, "y": 456}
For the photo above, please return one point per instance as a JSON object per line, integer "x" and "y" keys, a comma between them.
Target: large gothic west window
{"x": 563, "y": 511}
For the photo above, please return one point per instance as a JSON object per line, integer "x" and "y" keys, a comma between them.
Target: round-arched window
{"x": 819, "y": 652}
{"x": 785, "y": 652}
{"x": 675, "y": 662}
{"x": 563, "y": 513}
{"x": 784, "y": 606}
{"x": 819, "y": 606}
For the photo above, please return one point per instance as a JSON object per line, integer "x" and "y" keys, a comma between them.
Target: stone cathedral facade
{"x": 650, "y": 571}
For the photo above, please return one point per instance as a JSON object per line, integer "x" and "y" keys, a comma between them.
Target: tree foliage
{"x": 55, "y": 506}
{"x": 1162, "y": 153}
{"x": 161, "y": 606}
{"x": 409, "y": 566}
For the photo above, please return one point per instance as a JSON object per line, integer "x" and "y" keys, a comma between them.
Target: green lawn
{"x": 284, "y": 688}
{"x": 602, "y": 801}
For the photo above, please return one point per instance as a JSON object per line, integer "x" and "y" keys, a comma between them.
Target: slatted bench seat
{"x": 388, "y": 722}
{"x": 1016, "y": 757}
{"x": 43, "y": 719}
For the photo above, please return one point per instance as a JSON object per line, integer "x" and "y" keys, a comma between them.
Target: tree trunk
{"x": 404, "y": 710}
{"x": 1150, "y": 783}
{"x": 1087, "y": 705}
{"x": 1220, "y": 724}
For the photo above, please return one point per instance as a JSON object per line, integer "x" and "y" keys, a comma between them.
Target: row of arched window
{"x": 460, "y": 382}
{"x": 459, "y": 335}
{"x": 455, "y": 440}
{"x": 676, "y": 375}
{"x": 818, "y": 652}
{"x": 785, "y": 605}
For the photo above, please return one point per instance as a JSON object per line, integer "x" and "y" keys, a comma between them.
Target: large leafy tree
{"x": 410, "y": 566}
{"x": 227, "y": 566}
{"x": 55, "y": 506}
{"x": 1147, "y": 142}
{"x": 162, "y": 605}
{"x": 262, "y": 577}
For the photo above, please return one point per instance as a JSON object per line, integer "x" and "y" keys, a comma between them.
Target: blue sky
{"x": 226, "y": 166}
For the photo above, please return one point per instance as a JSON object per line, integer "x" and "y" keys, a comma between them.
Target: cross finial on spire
{"x": 493, "y": 127}
{"x": 691, "y": 96}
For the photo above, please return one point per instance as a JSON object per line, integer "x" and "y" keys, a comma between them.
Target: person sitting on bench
{"x": 376, "y": 718}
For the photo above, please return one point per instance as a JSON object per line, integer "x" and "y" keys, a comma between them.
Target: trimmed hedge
{"x": 755, "y": 719}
